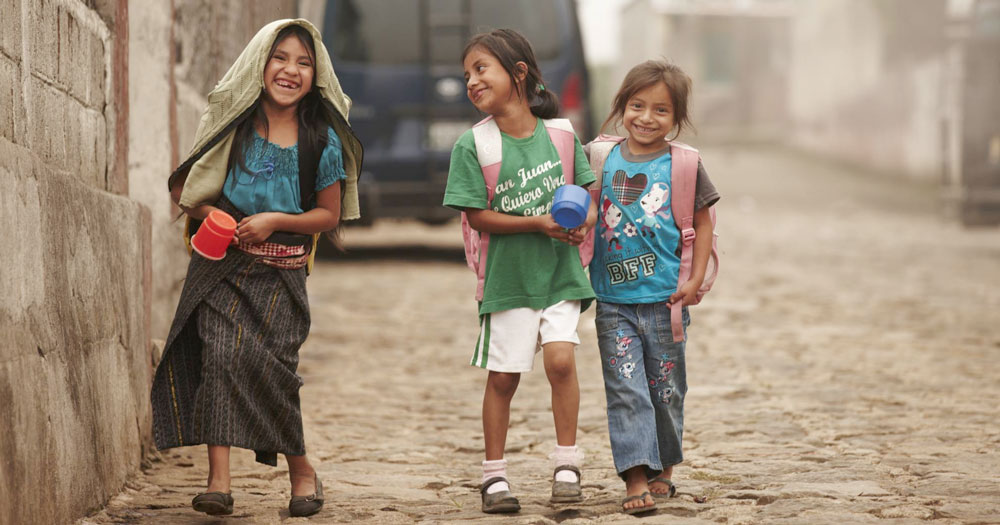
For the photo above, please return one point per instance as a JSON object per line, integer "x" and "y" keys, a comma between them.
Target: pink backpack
{"x": 488, "y": 146}
{"x": 683, "y": 179}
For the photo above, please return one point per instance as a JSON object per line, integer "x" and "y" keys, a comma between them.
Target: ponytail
{"x": 546, "y": 103}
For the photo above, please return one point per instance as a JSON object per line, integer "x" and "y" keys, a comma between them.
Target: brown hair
{"x": 647, "y": 74}
{"x": 510, "y": 47}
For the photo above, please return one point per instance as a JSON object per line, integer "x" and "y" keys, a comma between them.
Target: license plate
{"x": 441, "y": 135}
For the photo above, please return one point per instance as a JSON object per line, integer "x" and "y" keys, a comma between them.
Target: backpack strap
{"x": 561, "y": 134}
{"x": 488, "y": 152}
{"x": 597, "y": 153}
{"x": 683, "y": 181}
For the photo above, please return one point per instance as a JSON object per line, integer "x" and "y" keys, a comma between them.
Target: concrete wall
{"x": 152, "y": 150}
{"x": 74, "y": 268}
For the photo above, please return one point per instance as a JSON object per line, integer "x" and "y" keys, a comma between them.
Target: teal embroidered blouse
{"x": 272, "y": 183}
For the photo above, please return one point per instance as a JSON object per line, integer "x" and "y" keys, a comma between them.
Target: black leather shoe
{"x": 499, "y": 502}
{"x": 300, "y": 506}
{"x": 213, "y": 503}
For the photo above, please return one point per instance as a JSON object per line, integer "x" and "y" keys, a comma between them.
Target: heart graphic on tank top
{"x": 628, "y": 190}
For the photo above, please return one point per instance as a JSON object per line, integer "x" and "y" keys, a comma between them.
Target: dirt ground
{"x": 844, "y": 370}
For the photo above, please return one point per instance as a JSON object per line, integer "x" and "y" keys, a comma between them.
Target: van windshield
{"x": 390, "y": 32}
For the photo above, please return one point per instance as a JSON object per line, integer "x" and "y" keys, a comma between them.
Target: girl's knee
{"x": 503, "y": 383}
{"x": 560, "y": 368}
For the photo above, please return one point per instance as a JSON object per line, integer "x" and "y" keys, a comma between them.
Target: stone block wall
{"x": 99, "y": 101}
{"x": 74, "y": 268}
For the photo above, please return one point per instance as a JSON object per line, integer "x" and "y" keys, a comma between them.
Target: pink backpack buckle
{"x": 687, "y": 235}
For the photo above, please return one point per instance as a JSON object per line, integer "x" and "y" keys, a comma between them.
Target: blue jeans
{"x": 645, "y": 383}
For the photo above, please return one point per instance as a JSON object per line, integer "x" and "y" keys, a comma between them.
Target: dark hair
{"x": 510, "y": 47}
{"x": 647, "y": 74}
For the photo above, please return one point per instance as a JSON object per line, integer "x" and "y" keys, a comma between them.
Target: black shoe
{"x": 566, "y": 491}
{"x": 499, "y": 502}
{"x": 300, "y": 506}
{"x": 213, "y": 503}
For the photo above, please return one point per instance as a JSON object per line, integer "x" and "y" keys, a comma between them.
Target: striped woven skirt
{"x": 227, "y": 375}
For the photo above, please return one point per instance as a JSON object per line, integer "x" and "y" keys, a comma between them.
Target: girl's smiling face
{"x": 487, "y": 83}
{"x": 648, "y": 118}
{"x": 289, "y": 73}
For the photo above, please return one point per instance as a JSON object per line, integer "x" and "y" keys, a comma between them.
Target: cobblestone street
{"x": 844, "y": 370}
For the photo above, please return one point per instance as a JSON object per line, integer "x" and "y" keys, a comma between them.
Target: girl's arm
{"x": 699, "y": 264}
{"x": 489, "y": 221}
{"x": 324, "y": 217}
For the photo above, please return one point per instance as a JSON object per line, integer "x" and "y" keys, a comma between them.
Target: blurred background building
{"x": 908, "y": 88}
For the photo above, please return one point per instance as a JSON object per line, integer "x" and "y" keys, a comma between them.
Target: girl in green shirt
{"x": 534, "y": 283}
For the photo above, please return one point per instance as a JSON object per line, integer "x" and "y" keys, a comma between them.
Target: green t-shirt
{"x": 523, "y": 270}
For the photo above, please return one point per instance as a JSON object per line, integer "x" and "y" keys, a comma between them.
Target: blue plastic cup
{"x": 570, "y": 205}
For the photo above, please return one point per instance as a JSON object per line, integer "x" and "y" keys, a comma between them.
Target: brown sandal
{"x": 638, "y": 510}
{"x": 671, "y": 490}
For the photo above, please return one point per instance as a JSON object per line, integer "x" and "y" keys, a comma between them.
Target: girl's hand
{"x": 687, "y": 293}
{"x": 579, "y": 234}
{"x": 257, "y": 228}
{"x": 549, "y": 226}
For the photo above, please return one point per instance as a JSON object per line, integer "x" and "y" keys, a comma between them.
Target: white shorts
{"x": 508, "y": 340}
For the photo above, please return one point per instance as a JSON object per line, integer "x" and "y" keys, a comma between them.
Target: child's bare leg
{"x": 636, "y": 484}
{"x": 500, "y": 388}
{"x": 218, "y": 469}
{"x": 302, "y": 475}
{"x": 560, "y": 367}
{"x": 658, "y": 487}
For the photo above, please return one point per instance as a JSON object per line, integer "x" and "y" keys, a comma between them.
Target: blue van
{"x": 399, "y": 60}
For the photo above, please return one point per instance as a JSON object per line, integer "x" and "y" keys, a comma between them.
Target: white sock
{"x": 566, "y": 456}
{"x": 495, "y": 469}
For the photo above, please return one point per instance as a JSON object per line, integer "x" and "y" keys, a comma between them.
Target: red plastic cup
{"x": 214, "y": 236}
